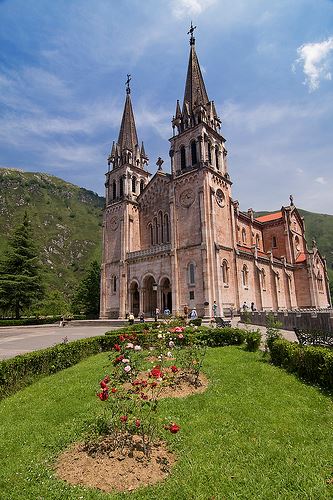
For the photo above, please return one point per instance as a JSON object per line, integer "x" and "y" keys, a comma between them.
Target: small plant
{"x": 253, "y": 340}
{"x": 272, "y": 331}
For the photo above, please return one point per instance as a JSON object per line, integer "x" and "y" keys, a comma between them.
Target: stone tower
{"x": 201, "y": 188}
{"x": 121, "y": 234}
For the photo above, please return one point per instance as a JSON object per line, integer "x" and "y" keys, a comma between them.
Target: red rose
{"x": 117, "y": 347}
{"x": 174, "y": 428}
{"x": 119, "y": 358}
{"x": 113, "y": 390}
{"x": 137, "y": 423}
{"x": 122, "y": 338}
{"x": 174, "y": 369}
{"x": 136, "y": 382}
{"x": 103, "y": 396}
{"x": 124, "y": 418}
{"x": 102, "y": 384}
{"x": 156, "y": 372}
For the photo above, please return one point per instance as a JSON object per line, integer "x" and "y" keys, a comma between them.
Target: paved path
{"x": 16, "y": 340}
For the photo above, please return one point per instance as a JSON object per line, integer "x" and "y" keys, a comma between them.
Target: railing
{"x": 149, "y": 251}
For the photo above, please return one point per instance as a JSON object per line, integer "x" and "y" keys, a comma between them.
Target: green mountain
{"x": 66, "y": 221}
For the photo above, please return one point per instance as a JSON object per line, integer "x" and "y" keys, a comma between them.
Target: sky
{"x": 268, "y": 66}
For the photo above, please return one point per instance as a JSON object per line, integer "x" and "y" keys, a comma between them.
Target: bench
{"x": 314, "y": 338}
{"x": 222, "y": 323}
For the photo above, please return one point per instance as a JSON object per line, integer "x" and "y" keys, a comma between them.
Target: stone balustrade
{"x": 153, "y": 250}
{"x": 303, "y": 319}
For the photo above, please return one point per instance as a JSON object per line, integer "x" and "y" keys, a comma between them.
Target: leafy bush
{"x": 196, "y": 322}
{"x": 313, "y": 364}
{"x": 253, "y": 340}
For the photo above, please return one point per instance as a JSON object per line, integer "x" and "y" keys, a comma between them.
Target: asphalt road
{"x": 18, "y": 340}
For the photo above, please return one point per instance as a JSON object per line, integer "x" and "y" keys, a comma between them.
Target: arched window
{"x": 114, "y": 190}
{"x": 166, "y": 229}
{"x": 160, "y": 224}
{"x": 297, "y": 243}
{"x": 182, "y": 157}
{"x": 133, "y": 184}
{"x": 194, "y": 153}
{"x": 274, "y": 245}
{"x": 245, "y": 276}
{"x": 142, "y": 185}
{"x": 257, "y": 240}
{"x": 151, "y": 235}
{"x": 320, "y": 282}
{"x": 244, "y": 236}
{"x": 277, "y": 277}
{"x": 209, "y": 148}
{"x": 217, "y": 163}
{"x": 191, "y": 274}
{"x": 225, "y": 273}
{"x": 155, "y": 231}
{"x": 121, "y": 187}
{"x": 114, "y": 285}
{"x": 263, "y": 279}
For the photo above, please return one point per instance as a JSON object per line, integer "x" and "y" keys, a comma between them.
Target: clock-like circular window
{"x": 220, "y": 198}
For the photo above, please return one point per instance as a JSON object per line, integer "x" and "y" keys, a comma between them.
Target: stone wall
{"x": 306, "y": 320}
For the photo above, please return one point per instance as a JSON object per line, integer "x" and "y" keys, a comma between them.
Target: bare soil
{"x": 114, "y": 471}
{"x": 119, "y": 470}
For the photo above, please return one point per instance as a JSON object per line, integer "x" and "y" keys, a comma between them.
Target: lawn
{"x": 257, "y": 432}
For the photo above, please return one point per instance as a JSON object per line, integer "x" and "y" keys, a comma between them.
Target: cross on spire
{"x": 128, "y": 89}
{"x": 190, "y": 32}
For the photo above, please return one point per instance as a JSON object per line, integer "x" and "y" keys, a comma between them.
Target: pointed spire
{"x": 195, "y": 91}
{"x": 143, "y": 152}
{"x": 178, "y": 111}
{"x": 128, "y": 138}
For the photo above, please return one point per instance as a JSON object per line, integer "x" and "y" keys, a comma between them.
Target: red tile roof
{"x": 301, "y": 258}
{"x": 269, "y": 217}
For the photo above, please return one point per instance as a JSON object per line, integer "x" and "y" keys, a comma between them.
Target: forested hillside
{"x": 66, "y": 223}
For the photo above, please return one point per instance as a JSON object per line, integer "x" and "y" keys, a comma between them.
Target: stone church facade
{"x": 178, "y": 238}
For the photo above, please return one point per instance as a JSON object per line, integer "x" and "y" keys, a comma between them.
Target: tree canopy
{"x": 86, "y": 299}
{"x": 20, "y": 279}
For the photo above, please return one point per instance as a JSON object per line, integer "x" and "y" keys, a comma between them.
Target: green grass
{"x": 256, "y": 433}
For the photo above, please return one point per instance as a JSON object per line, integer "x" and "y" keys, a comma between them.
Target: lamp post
{"x": 155, "y": 309}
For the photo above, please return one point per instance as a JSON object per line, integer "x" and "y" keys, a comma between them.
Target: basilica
{"x": 179, "y": 239}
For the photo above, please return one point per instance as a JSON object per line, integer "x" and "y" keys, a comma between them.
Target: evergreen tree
{"x": 87, "y": 295}
{"x": 20, "y": 280}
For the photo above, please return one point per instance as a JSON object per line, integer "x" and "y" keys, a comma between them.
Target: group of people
{"x": 245, "y": 307}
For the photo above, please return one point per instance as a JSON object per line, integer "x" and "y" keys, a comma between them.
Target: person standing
{"x": 194, "y": 313}
{"x": 186, "y": 311}
{"x": 214, "y": 309}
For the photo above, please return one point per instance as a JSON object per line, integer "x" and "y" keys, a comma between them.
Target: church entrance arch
{"x": 134, "y": 298}
{"x": 166, "y": 295}
{"x": 150, "y": 296}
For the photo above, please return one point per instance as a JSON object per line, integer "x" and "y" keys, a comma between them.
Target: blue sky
{"x": 267, "y": 65}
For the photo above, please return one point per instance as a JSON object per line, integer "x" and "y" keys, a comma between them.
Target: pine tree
{"x": 20, "y": 280}
{"x": 87, "y": 295}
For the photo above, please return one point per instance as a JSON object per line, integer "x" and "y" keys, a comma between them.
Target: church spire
{"x": 127, "y": 150}
{"x": 195, "y": 91}
{"x": 197, "y": 108}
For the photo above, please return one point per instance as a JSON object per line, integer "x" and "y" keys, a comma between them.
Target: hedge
{"x": 312, "y": 364}
{"x": 36, "y": 321}
{"x": 23, "y": 370}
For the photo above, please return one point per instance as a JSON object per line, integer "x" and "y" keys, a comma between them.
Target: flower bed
{"x": 129, "y": 428}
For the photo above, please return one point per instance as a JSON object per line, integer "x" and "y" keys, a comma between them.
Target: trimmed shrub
{"x": 253, "y": 340}
{"x": 312, "y": 364}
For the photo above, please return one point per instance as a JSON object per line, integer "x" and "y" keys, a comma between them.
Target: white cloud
{"x": 299, "y": 171}
{"x": 320, "y": 180}
{"x": 314, "y": 57}
{"x": 187, "y": 8}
